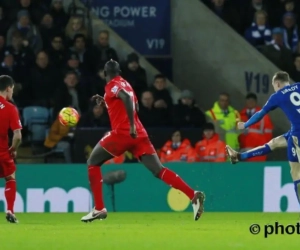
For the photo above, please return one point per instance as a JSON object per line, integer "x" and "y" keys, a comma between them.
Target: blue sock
{"x": 258, "y": 152}
{"x": 297, "y": 189}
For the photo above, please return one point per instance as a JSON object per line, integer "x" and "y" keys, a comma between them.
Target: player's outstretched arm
{"x": 255, "y": 118}
{"x": 129, "y": 106}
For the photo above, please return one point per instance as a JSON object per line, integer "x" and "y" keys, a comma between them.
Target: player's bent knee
{"x": 10, "y": 177}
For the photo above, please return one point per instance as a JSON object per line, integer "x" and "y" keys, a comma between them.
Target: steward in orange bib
{"x": 177, "y": 150}
{"x": 257, "y": 134}
{"x": 211, "y": 148}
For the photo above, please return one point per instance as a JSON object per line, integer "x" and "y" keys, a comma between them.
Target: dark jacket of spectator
{"x": 135, "y": 74}
{"x": 149, "y": 115}
{"x": 60, "y": 17}
{"x": 290, "y": 31}
{"x": 48, "y": 30}
{"x": 43, "y": 85}
{"x": 277, "y": 53}
{"x": 186, "y": 113}
{"x": 30, "y": 32}
{"x": 64, "y": 98}
{"x": 57, "y": 53}
{"x": 4, "y": 22}
{"x": 228, "y": 13}
{"x": 95, "y": 117}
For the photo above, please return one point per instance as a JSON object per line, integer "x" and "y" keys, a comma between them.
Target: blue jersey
{"x": 287, "y": 99}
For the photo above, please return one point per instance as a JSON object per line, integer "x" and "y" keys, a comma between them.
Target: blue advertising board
{"x": 144, "y": 24}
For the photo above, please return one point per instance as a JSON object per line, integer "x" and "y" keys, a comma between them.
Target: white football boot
{"x": 198, "y": 204}
{"x": 232, "y": 155}
{"x": 95, "y": 215}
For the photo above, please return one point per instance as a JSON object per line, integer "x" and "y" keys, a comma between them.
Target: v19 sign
{"x": 257, "y": 82}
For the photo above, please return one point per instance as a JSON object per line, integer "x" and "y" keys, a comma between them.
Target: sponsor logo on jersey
{"x": 114, "y": 89}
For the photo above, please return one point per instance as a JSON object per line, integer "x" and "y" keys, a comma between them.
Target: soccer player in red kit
{"x": 128, "y": 134}
{"x": 9, "y": 119}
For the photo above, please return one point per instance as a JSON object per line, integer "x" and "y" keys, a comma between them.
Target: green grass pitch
{"x": 139, "y": 231}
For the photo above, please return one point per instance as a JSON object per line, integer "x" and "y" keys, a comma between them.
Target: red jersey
{"x": 9, "y": 117}
{"x": 116, "y": 109}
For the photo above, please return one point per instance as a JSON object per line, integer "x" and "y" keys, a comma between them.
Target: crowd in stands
{"x": 272, "y": 26}
{"x": 55, "y": 63}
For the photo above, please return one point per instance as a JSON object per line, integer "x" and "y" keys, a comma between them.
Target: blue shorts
{"x": 293, "y": 147}
{"x": 287, "y": 135}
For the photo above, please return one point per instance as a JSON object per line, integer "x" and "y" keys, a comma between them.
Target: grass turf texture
{"x": 161, "y": 231}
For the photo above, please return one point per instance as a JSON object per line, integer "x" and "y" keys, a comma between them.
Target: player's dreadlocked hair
{"x": 5, "y": 81}
{"x": 112, "y": 68}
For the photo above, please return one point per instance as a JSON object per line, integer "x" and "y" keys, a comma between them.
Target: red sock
{"x": 174, "y": 180}
{"x": 95, "y": 178}
{"x": 10, "y": 194}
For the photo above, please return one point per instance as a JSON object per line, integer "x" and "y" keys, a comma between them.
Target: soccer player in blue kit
{"x": 287, "y": 98}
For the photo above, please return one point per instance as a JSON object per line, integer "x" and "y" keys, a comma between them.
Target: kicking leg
{"x": 153, "y": 163}
{"x": 10, "y": 196}
{"x": 294, "y": 157}
{"x": 98, "y": 156}
{"x": 278, "y": 142}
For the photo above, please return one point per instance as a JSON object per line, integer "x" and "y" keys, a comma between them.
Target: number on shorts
{"x": 293, "y": 151}
{"x": 295, "y": 98}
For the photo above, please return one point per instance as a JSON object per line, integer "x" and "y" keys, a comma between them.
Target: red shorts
{"x": 118, "y": 144}
{"x": 7, "y": 167}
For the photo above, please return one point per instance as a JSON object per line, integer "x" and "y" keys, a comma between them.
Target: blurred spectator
{"x": 73, "y": 63}
{"x": 60, "y": 17}
{"x": 281, "y": 7}
{"x": 98, "y": 83}
{"x": 2, "y": 45}
{"x": 4, "y": 22}
{"x": 30, "y": 33}
{"x": 23, "y": 54}
{"x": 290, "y": 31}
{"x": 34, "y": 12}
{"x": 162, "y": 97}
{"x": 58, "y": 139}
{"x": 298, "y": 49}
{"x": 95, "y": 117}
{"x": 295, "y": 75}
{"x": 277, "y": 53}
{"x": 84, "y": 55}
{"x": 74, "y": 27}
{"x": 47, "y": 30}
{"x": 211, "y": 148}
{"x": 9, "y": 67}
{"x": 227, "y": 12}
{"x": 43, "y": 82}
{"x": 249, "y": 10}
{"x": 70, "y": 94}
{"x": 56, "y": 52}
{"x": 259, "y": 33}
{"x": 186, "y": 113}
{"x": 103, "y": 51}
{"x": 257, "y": 134}
{"x": 148, "y": 114}
{"x": 225, "y": 118}
{"x": 177, "y": 150}
{"x": 135, "y": 74}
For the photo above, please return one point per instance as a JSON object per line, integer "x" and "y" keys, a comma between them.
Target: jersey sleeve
{"x": 14, "y": 122}
{"x": 114, "y": 89}
{"x": 271, "y": 104}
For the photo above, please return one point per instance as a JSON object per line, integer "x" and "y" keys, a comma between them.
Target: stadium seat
{"x": 36, "y": 119}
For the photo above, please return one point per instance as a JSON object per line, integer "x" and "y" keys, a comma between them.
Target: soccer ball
{"x": 68, "y": 117}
